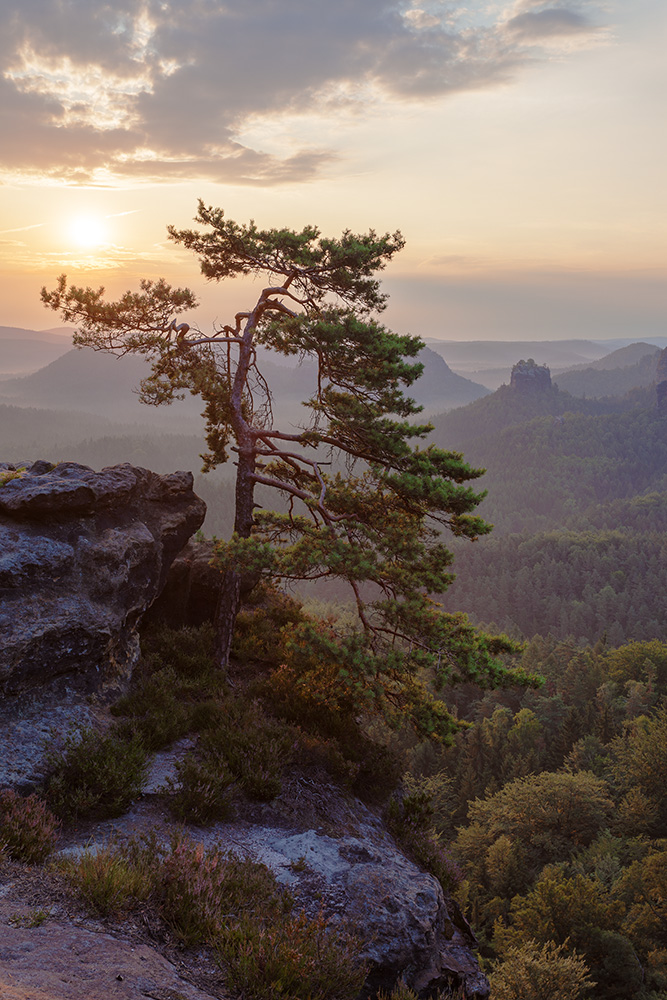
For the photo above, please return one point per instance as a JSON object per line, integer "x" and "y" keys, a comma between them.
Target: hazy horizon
{"x": 518, "y": 146}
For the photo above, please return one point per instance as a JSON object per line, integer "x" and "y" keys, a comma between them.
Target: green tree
{"x": 577, "y": 913}
{"x": 544, "y": 818}
{"x": 375, "y": 522}
{"x": 639, "y": 764}
{"x": 531, "y": 972}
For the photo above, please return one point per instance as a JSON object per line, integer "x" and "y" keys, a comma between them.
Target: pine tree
{"x": 371, "y": 517}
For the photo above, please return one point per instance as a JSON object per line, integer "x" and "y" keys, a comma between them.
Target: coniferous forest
{"x": 554, "y": 799}
{"x": 546, "y": 815}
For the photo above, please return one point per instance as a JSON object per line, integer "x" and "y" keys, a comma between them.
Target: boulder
{"x": 83, "y": 554}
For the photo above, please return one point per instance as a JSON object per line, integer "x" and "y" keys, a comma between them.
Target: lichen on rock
{"x": 82, "y": 556}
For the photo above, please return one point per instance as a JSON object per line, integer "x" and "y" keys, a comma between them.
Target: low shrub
{"x": 176, "y": 687}
{"x": 28, "y": 829}
{"x": 94, "y": 776}
{"x": 188, "y": 651}
{"x": 202, "y": 890}
{"x": 292, "y": 958}
{"x": 403, "y": 992}
{"x": 410, "y": 820}
{"x": 199, "y": 794}
{"x": 158, "y": 711}
{"x": 254, "y": 747}
{"x": 235, "y": 905}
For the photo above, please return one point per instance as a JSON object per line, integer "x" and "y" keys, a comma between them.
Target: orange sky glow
{"x": 519, "y": 146}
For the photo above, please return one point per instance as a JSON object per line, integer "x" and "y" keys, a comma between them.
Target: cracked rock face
{"x": 82, "y": 555}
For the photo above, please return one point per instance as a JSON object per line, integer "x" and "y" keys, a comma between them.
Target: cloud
{"x": 161, "y": 89}
{"x": 548, "y": 22}
{"x": 22, "y": 229}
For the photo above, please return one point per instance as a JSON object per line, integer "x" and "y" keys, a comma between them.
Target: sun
{"x": 88, "y": 230}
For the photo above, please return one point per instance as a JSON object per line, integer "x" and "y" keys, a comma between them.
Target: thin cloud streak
{"x": 22, "y": 229}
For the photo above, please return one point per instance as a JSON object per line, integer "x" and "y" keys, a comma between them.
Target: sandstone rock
{"x": 192, "y": 588}
{"x": 337, "y": 858}
{"x": 82, "y": 556}
{"x": 527, "y": 376}
{"x": 59, "y": 961}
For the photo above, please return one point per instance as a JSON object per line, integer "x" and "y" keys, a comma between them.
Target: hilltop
{"x": 577, "y": 494}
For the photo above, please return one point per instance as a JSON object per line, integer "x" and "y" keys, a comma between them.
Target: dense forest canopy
{"x": 577, "y": 493}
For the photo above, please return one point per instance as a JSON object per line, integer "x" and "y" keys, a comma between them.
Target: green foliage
{"x": 640, "y": 765}
{"x": 547, "y": 972}
{"x": 377, "y": 525}
{"x": 410, "y": 819}
{"x": 403, "y": 992}
{"x": 592, "y": 382}
{"x": 293, "y": 959}
{"x": 579, "y": 509}
{"x": 111, "y": 882}
{"x": 530, "y": 874}
{"x": 250, "y": 746}
{"x": 92, "y": 776}
{"x": 175, "y": 687}
{"x": 642, "y": 887}
{"x": 28, "y": 830}
{"x": 257, "y": 635}
{"x": 34, "y": 918}
{"x": 400, "y": 638}
{"x": 576, "y": 912}
{"x": 7, "y": 475}
{"x": 531, "y": 821}
{"x": 580, "y": 583}
{"x": 199, "y": 793}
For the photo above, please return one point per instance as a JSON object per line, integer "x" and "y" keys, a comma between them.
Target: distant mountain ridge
{"x": 83, "y": 379}
{"x": 612, "y": 376}
{"x": 489, "y": 362}
{"x": 624, "y": 357}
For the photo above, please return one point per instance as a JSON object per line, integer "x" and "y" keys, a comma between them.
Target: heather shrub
{"x": 159, "y": 710}
{"x": 176, "y": 687}
{"x": 410, "y": 820}
{"x": 254, "y": 747}
{"x": 188, "y": 651}
{"x": 94, "y": 776}
{"x": 199, "y": 795}
{"x": 201, "y": 890}
{"x": 292, "y": 958}
{"x": 403, "y": 992}
{"x": 207, "y": 896}
{"x": 28, "y": 829}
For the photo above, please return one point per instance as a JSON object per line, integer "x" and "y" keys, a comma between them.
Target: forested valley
{"x": 547, "y": 814}
{"x": 577, "y": 494}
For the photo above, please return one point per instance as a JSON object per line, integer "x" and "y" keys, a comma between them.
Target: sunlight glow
{"x": 88, "y": 231}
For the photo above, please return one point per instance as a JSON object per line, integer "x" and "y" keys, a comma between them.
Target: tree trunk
{"x": 235, "y": 584}
{"x": 225, "y": 617}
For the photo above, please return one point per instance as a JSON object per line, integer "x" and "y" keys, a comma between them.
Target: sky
{"x": 519, "y": 146}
